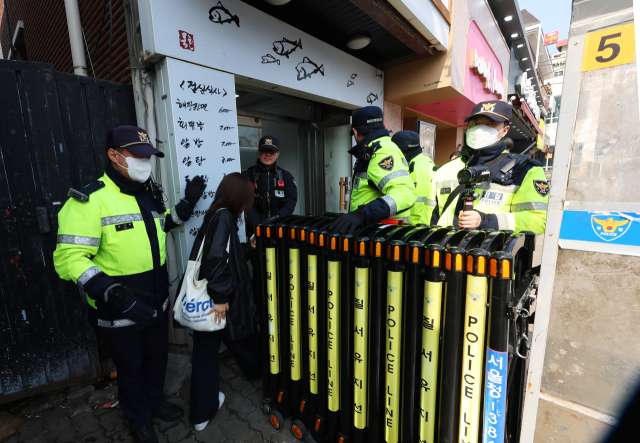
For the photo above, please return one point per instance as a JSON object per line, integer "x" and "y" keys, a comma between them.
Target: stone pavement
{"x": 50, "y": 418}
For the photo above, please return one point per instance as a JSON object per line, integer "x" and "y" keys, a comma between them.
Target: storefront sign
{"x": 231, "y": 36}
{"x": 529, "y": 94}
{"x": 551, "y": 38}
{"x": 484, "y": 70}
{"x": 199, "y": 133}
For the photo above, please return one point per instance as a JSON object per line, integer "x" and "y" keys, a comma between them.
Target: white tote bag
{"x": 193, "y": 302}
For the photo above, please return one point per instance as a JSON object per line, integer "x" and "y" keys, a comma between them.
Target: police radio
{"x": 470, "y": 177}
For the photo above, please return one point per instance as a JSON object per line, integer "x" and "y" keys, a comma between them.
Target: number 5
{"x": 615, "y": 48}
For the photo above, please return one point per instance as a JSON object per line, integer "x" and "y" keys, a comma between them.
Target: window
{"x": 558, "y": 73}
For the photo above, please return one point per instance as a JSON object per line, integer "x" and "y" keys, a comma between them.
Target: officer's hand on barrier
{"x": 130, "y": 303}
{"x": 347, "y": 223}
{"x": 194, "y": 189}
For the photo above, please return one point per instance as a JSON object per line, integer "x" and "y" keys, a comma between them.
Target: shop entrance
{"x": 314, "y": 143}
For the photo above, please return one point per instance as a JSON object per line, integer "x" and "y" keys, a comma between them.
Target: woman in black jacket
{"x": 224, "y": 265}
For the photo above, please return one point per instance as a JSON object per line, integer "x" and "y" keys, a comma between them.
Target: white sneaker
{"x": 200, "y": 426}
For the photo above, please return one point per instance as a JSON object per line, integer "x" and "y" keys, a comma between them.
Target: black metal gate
{"x": 53, "y": 128}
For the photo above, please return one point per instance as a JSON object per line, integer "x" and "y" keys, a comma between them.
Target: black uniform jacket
{"x": 227, "y": 273}
{"x": 276, "y": 192}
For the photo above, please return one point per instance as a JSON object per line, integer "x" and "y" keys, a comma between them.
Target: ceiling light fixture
{"x": 528, "y": 69}
{"x": 520, "y": 46}
{"x": 277, "y": 2}
{"x": 508, "y": 18}
{"x": 525, "y": 59}
{"x": 358, "y": 42}
{"x": 237, "y": 95}
{"x": 515, "y": 35}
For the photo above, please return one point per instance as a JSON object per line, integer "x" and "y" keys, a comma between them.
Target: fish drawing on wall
{"x": 266, "y": 59}
{"x": 220, "y": 14}
{"x": 378, "y": 73}
{"x": 285, "y": 46}
{"x": 353, "y": 76}
{"x": 372, "y": 98}
{"x": 307, "y": 68}
{"x": 350, "y": 82}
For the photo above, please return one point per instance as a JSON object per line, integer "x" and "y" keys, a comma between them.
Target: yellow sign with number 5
{"x": 611, "y": 47}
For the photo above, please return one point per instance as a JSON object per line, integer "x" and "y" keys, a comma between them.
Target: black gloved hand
{"x": 347, "y": 223}
{"x": 194, "y": 189}
{"x": 129, "y": 302}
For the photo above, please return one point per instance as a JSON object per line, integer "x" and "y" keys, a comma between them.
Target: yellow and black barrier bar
{"x": 260, "y": 292}
{"x": 430, "y": 349}
{"x": 334, "y": 336}
{"x": 282, "y": 401}
{"x": 452, "y": 335}
{"x": 411, "y": 335}
{"x": 347, "y": 309}
{"x": 377, "y": 331}
{"x": 475, "y": 316}
{"x": 393, "y": 339}
{"x": 361, "y": 303}
{"x": 272, "y": 311}
{"x": 497, "y": 361}
{"x": 317, "y": 244}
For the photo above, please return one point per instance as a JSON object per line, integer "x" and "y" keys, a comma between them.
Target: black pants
{"x": 141, "y": 360}
{"x": 205, "y": 372}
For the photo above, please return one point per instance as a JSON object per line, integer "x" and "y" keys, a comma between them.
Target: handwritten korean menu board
{"x": 200, "y": 122}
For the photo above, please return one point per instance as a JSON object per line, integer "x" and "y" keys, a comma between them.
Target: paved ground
{"x": 240, "y": 420}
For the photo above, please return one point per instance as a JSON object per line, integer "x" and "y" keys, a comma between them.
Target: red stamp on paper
{"x": 186, "y": 40}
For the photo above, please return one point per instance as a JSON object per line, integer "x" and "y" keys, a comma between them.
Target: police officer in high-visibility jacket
{"x": 382, "y": 187}
{"x": 421, "y": 172}
{"x": 112, "y": 243}
{"x": 517, "y": 196}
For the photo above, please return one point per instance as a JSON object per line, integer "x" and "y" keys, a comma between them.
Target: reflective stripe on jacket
{"x": 115, "y": 238}
{"x": 421, "y": 170}
{"x": 387, "y": 178}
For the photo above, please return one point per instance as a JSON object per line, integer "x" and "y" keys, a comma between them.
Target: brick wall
{"x": 46, "y": 35}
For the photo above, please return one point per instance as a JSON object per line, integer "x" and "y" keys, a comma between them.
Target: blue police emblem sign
{"x": 609, "y": 227}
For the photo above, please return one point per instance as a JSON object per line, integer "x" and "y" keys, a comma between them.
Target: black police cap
{"x": 406, "y": 140}
{"x": 496, "y": 110}
{"x": 133, "y": 139}
{"x": 269, "y": 142}
{"x": 365, "y": 116}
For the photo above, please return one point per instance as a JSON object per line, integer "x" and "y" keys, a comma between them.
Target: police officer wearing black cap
{"x": 517, "y": 196}
{"x": 112, "y": 243}
{"x": 421, "y": 172}
{"x": 382, "y": 187}
{"x": 276, "y": 191}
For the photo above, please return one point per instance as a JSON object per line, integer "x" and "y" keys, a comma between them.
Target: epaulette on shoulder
{"x": 83, "y": 196}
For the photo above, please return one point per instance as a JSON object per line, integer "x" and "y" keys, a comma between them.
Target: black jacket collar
{"x": 126, "y": 186}
{"x": 263, "y": 168}
{"x": 358, "y": 148}
{"x": 484, "y": 155}
{"x": 412, "y": 154}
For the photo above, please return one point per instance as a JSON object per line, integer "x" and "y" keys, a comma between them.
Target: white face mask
{"x": 482, "y": 136}
{"x": 139, "y": 168}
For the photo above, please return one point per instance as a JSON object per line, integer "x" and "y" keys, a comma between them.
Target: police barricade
{"x": 406, "y": 334}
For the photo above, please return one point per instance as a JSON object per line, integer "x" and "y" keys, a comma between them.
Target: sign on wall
{"x": 551, "y": 38}
{"x": 487, "y": 73}
{"x": 200, "y": 134}
{"x": 611, "y": 47}
{"x": 234, "y": 37}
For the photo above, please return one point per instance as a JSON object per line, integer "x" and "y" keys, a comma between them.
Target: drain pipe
{"x": 75, "y": 37}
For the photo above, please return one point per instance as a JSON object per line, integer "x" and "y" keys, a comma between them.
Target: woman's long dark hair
{"x": 234, "y": 191}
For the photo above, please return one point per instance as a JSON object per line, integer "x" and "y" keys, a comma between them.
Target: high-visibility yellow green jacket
{"x": 117, "y": 236}
{"x": 381, "y": 184}
{"x": 515, "y": 201}
{"x": 421, "y": 172}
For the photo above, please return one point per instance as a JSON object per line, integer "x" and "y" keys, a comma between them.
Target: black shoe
{"x": 144, "y": 434}
{"x": 168, "y": 412}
